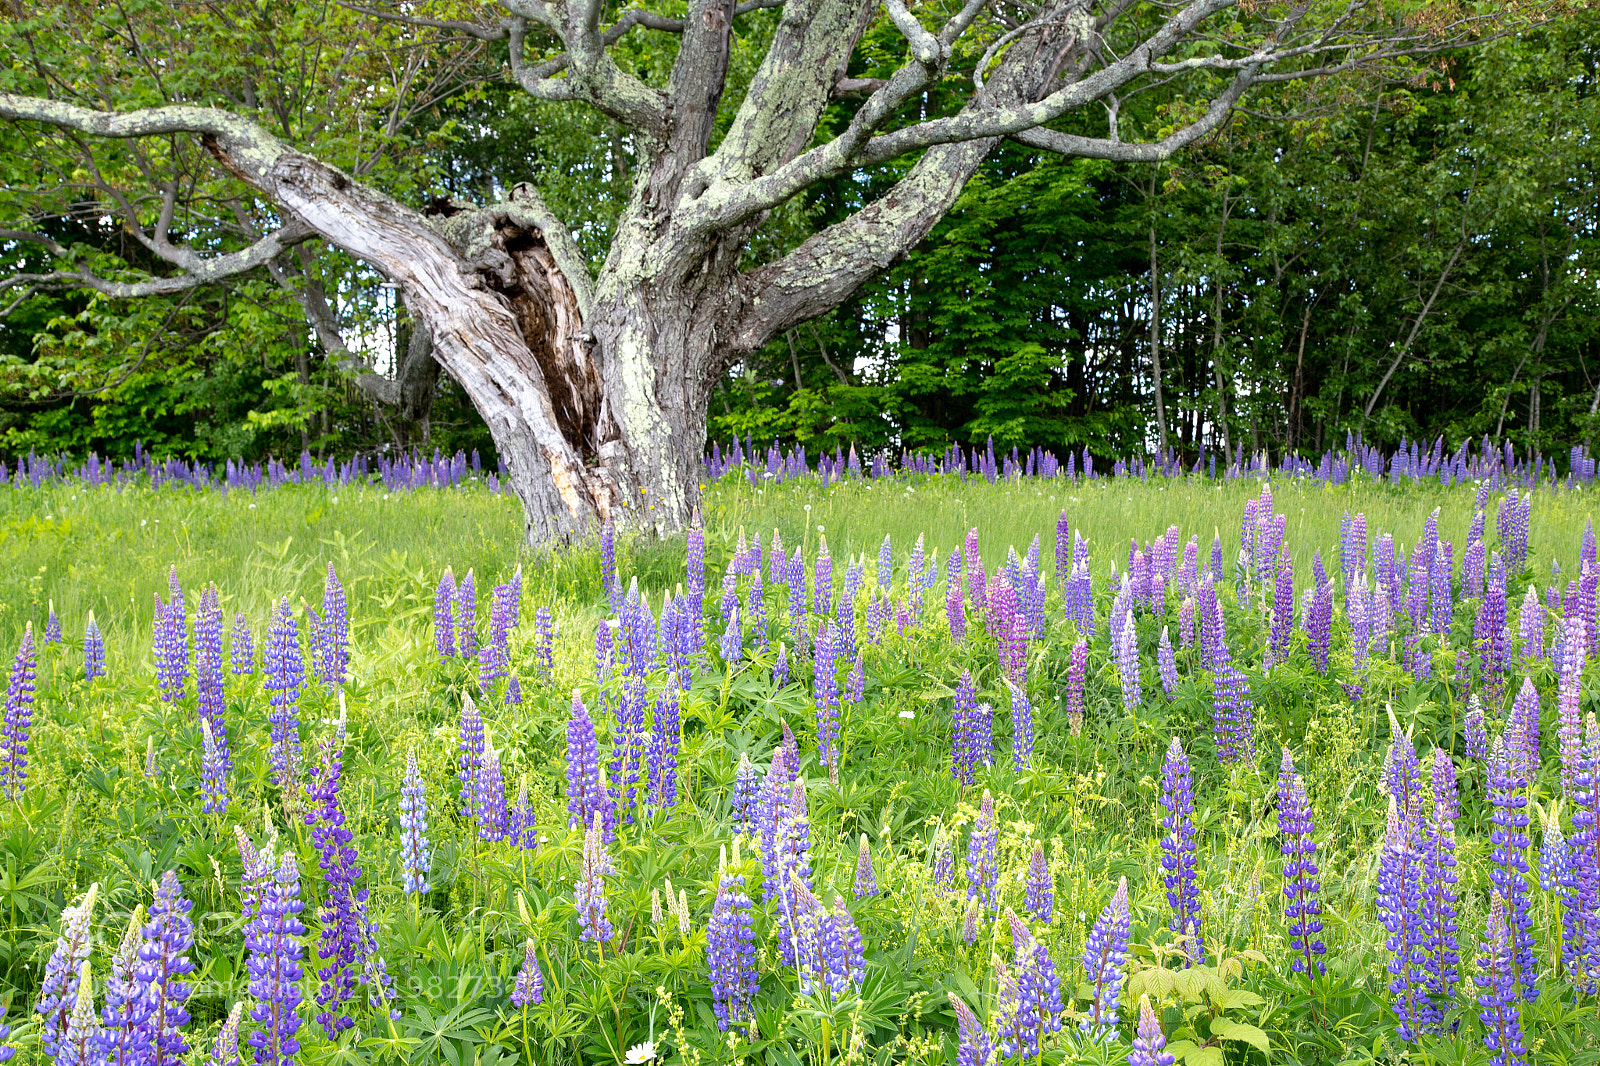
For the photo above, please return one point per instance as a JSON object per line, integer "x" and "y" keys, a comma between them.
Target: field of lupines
{"x": 886, "y": 768}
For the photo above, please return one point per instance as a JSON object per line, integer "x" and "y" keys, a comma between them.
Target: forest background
{"x": 1405, "y": 253}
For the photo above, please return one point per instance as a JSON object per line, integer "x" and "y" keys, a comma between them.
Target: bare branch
{"x": 200, "y": 271}
{"x": 1133, "y": 152}
{"x": 857, "y": 86}
{"x": 49, "y": 243}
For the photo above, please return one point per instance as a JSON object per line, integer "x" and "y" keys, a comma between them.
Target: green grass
{"x": 90, "y": 813}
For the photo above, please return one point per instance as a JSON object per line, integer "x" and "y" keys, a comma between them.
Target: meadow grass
{"x": 92, "y": 814}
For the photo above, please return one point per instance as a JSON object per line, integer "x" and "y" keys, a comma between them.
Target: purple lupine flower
{"x": 798, "y": 602}
{"x": 80, "y": 1044}
{"x": 822, "y": 588}
{"x": 1555, "y": 859}
{"x": 1569, "y": 730}
{"x": 866, "y": 877}
{"x": 1178, "y": 851}
{"x": 969, "y": 924}
{"x": 695, "y": 581}
{"x": 348, "y": 941}
{"x": 1127, "y": 652}
{"x": 241, "y": 647}
{"x": 1319, "y": 626}
{"x": 1400, "y": 909}
{"x": 1283, "y": 604}
{"x": 1522, "y": 731}
{"x": 973, "y": 1046}
{"x": 333, "y": 640}
{"x": 416, "y": 858}
{"x": 1104, "y": 956}
{"x": 522, "y": 829}
{"x": 586, "y": 796}
{"x": 225, "y": 1051}
{"x": 52, "y": 626}
{"x": 444, "y": 608}
{"x": 163, "y": 963}
{"x": 1582, "y": 915}
{"x": 489, "y": 793}
{"x": 1302, "y": 909}
{"x": 855, "y": 683}
{"x": 608, "y": 565}
{"x": 1216, "y": 557}
{"x": 17, "y": 725}
{"x": 885, "y": 563}
{"x": 969, "y": 748}
{"x": 172, "y": 639}
{"x": 983, "y": 867}
{"x": 529, "y": 988}
{"x": 1508, "y": 793}
{"x": 273, "y": 939}
{"x": 465, "y": 620}
{"x": 1501, "y": 1005}
{"x": 94, "y": 650}
{"x": 1041, "y": 891}
{"x": 1489, "y": 629}
{"x": 1079, "y": 595}
{"x": 666, "y": 738}
{"x": 732, "y": 645}
{"x": 1077, "y": 670}
{"x": 589, "y": 892}
{"x": 743, "y": 805}
{"x": 208, "y": 675}
{"x": 780, "y": 667}
{"x": 944, "y": 861}
{"x": 1441, "y": 605}
{"x": 975, "y": 572}
{"x": 1233, "y": 719}
{"x": 757, "y": 610}
{"x": 1148, "y": 1041}
{"x": 1475, "y": 731}
{"x": 1021, "y": 728}
{"x": 731, "y": 954}
{"x": 954, "y": 607}
{"x": 285, "y": 673}
{"x": 213, "y": 773}
{"x": 785, "y": 838}
{"x": 1030, "y": 1008}
{"x": 628, "y": 750}
{"x": 1167, "y": 663}
{"x": 126, "y": 1033}
{"x": 1186, "y": 624}
{"x": 544, "y": 642}
{"x": 825, "y": 695}
{"x": 469, "y": 746}
{"x": 1010, "y": 639}
{"x": 1438, "y": 887}
{"x": 1472, "y": 560}
{"x": 58, "y": 993}
{"x": 1530, "y": 628}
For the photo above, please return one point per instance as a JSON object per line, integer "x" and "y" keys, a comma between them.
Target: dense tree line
{"x": 1405, "y": 252}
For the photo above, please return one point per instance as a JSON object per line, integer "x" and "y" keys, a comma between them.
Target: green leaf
{"x": 1249, "y": 1034}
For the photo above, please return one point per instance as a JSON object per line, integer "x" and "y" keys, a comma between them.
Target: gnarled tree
{"x": 595, "y": 387}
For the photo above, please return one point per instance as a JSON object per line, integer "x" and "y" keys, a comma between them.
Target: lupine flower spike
{"x": 529, "y": 988}
{"x": 866, "y": 877}
{"x": 94, "y": 650}
{"x": 1103, "y": 959}
{"x": 1041, "y": 893}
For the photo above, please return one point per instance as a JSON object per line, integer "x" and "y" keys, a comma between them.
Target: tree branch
{"x": 981, "y": 118}
{"x": 199, "y": 270}
{"x": 1122, "y": 151}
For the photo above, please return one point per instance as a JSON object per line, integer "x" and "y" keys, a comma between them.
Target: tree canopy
{"x": 1399, "y": 247}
